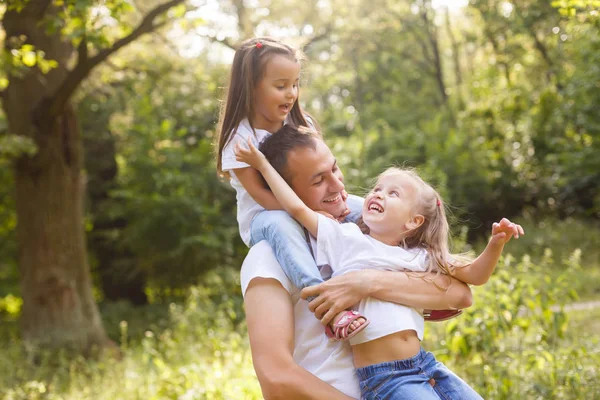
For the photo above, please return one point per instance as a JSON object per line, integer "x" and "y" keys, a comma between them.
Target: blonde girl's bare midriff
{"x": 397, "y": 346}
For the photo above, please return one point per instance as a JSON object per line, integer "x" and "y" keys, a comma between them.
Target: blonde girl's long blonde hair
{"x": 247, "y": 71}
{"x": 434, "y": 233}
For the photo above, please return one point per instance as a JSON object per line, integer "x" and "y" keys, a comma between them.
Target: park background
{"x": 497, "y": 102}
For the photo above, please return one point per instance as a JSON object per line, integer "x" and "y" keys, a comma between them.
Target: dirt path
{"x": 584, "y": 305}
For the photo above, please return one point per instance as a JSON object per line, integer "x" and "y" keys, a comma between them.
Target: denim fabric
{"x": 288, "y": 241}
{"x": 409, "y": 379}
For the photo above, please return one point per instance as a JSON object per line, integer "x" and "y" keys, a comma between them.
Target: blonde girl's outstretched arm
{"x": 288, "y": 199}
{"x": 480, "y": 270}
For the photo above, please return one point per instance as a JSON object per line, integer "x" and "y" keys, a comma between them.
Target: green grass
{"x": 196, "y": 349}
{"x": 513, "y": 343}
{"x": 585, "y": 323}
{"x": 559, "y": 239}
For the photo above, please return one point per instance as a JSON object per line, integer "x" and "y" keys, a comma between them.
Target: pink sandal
{"x": 340, "y": 328}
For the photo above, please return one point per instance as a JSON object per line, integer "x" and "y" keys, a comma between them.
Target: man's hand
{"x": 503, "y": 231}
{"x": 250, "y": 155}
{"x": 337, "y": 294}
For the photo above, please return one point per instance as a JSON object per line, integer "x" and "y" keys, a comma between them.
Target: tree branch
{"x": 316, "y": 38}
{"x": 225, "y": 41}
{"x": 84, "y": 64}
{"x": 82, "y": 52}
{"x": 37, "y": 8}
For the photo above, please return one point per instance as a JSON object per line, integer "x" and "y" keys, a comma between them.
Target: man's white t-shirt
{"x": 329, "y": 361}
{"x": 247, "y": 207}
{"x": 345, "y": 248}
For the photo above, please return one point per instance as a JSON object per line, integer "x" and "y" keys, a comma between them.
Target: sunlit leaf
{"x": 29, "y": 59}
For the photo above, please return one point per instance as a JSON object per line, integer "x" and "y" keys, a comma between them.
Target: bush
{"x": 562, "y": 237}
{"x": 513, "y": 343}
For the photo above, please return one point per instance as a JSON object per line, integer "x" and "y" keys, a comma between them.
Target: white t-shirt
{"x": 247, "y": 207}
{"x": 345, "y": 248}
{"x": 329, "y": 361}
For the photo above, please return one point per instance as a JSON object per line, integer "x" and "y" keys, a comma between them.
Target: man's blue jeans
{"x": 411, "y": 379}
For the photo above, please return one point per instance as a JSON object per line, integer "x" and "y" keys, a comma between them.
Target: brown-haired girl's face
{"x": 388, "y": 209}
{"x": 276, "y": 92}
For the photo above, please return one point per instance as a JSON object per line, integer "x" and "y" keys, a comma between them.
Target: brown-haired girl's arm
{"x": 480, "y": 270}
{"x": 253, "y": 183}
{"x": 282, "y": 191}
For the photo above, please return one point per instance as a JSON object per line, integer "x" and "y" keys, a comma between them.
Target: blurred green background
{"x": 495, "y": 102}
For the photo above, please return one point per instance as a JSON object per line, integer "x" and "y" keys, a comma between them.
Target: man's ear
{"x": 415, "y": 222}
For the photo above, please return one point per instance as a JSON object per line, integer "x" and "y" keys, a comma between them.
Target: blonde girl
{"x": 404, "y": 227}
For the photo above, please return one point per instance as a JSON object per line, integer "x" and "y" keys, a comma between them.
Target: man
{"x": 292, "y": 357}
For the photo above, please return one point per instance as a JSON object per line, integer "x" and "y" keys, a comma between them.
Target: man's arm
{"x": 270, "y": 319}
{"x": 435, "y": 292}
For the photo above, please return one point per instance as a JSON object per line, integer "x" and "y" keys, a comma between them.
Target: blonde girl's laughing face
{"x": 389, "y": 209}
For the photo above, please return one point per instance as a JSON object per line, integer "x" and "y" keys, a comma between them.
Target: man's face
{"x": 316, "y": 178}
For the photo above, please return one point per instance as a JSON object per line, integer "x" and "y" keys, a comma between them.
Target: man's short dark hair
{"x": 276, "y": 147}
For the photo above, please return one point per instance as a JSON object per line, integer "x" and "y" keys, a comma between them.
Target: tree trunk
{"x": 58, "y": 306}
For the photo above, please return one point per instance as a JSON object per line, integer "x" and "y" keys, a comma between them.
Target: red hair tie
{"x": 259, "y": 45}
{"x": 439, "y": 203}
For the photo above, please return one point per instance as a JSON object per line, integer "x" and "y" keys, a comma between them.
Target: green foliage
{"x": 514, "y": 132}
{"x": 197, "y": 349}
{"x": 523, "y": 124}
{"x": 14, "y": 146}
{"x": 517, "y": 341}
{"x": 27, "y": 56}
{"x": 11, "y": 146}
{"x": 550, "y": 234}
{"x": 180, "y": 218}
{"x": 11, "y": 305}
{"x": 571, "y": 8}
{"x": 514, "y": 340}
{"x": 517, "y": 135}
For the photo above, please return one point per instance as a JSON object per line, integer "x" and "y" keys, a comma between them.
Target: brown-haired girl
{"x": 262, "y": 97}
{"x": 404, "y": 227}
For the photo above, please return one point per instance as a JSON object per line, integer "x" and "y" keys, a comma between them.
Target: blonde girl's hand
{"x": 326, "y": 214}
{"x": 340, "y": 219}
{"x": 344, "y": 195}
{"x": 343, "y": 215}
{"x": 250, "y": 155}
{"x": 504, "y": 230}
